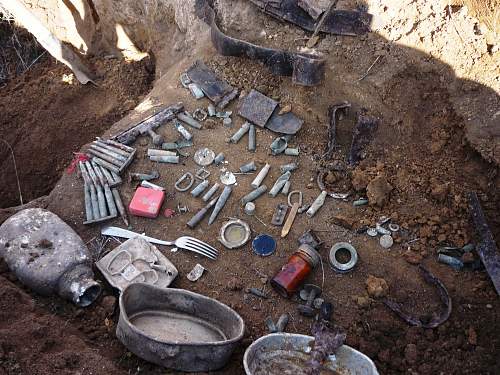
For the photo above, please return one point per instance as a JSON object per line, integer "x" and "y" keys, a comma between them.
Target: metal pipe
{"x": 117, "y": 179}
{"x": 240, "y": 133}
{"x": 150, "y": 185}
{"x": 114, "y": 149}
{"x": 193, "y": 222}
{"x": 117, "y": 163}
{"x": 110, "y": 200}
{"x": 292, "y": 151}
{"x": 155, "y": 152}
{"x": 278, "y": 185}
{"x": 100, "y": 192}
{"x": 110, "y": 153}
{"x": 199, "y": 188}
{"x": 219, "y": 158}
{"x": 117, "y": 144}
{"x": 182, "y": 130}
{"x": 88, "y": 203}
{"x": 286, "y": 188}
{"x": 107, "y": 165}
{"x": 248, "y": 167}
{"x": 165, "y": 159}
{"x": 317, "y": 204}
{"x": 288, "y": 167}
{"x": 261, "y": 176}
{"x": 220, "y": 203}
{"x": 254, "y": 194}
{"x": 184, "y": 117}
{"x": 252, "y": 141}
{"x": 120, "y": 206}
{"x": 210, "y": 192}
{"x": 106, "y": 174}
{"x": 144, "y": 176}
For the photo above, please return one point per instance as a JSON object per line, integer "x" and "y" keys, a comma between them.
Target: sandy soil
{"x": 420, "y": 149}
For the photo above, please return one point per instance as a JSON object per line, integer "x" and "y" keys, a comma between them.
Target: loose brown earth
{"x": 419, "y": 149}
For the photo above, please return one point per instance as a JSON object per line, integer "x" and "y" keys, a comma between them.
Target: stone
{"x": 108, "y": 304}
{"x": 412, "y": 257}
{"x": 376, "y": 287}
{"x": 378, "y": 191}
{"x": 234, "y": 284}
{"x": 439, "y": 192}
{"x": 411, "y": 354}
{"x": 344, "y": 221}
{"x": 360, "y": 179}
{"x": 468, "y": 258}
{"x": 471, "y": 336}
{"x": 362, "y": 301}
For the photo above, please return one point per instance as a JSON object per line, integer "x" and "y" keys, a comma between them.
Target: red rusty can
{"x": 299, "y": 266}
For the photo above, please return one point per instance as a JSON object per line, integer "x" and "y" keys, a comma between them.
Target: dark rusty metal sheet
{"x": 305, "y": 69}
{"x": 287, "y": 123}
{"x": 211, "y": 85}
{"x": 361, "y": 137}
{"x": 487, "y": 248}
{"x": 436, "y": 319}
{"x": 342, "y": 108}
{"x": 257, "y": 108}
{"x": 340, "y": 22}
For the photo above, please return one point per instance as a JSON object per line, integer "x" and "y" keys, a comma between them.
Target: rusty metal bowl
{"x": 177, "y": 329}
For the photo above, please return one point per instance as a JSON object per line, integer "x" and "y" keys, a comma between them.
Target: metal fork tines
{"x": 184, "y": 242}
{"x": 197, "y": 246}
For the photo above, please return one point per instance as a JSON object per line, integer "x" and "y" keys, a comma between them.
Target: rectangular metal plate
{"x": 257, "y": 108}
{"x": 279, "y": 214}
{"x": 213, "y": 87}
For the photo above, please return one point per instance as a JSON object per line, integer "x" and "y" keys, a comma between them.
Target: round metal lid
{"x": 263, "y": 245}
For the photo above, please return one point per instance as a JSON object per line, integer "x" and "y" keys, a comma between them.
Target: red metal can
{"x": 287, "y": 281}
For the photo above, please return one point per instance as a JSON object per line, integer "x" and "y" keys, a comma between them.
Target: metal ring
{"x": 290, "y": 197}
{"x": 200, "y": 114}
{"x": 343, "y": 267}
{"x": 235, "y": 244}
{"x": 180, "y": 180}
{"x": 393, "y": 227}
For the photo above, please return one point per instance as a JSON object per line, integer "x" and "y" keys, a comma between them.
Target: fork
{"x": 184, "y": 242}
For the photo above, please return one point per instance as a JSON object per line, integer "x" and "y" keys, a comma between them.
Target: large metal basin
{"x": 286, "y": 353}
{"x": 176, "y": 328}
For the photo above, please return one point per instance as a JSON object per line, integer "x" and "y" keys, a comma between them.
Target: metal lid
{"x": 312, "y": 255}
{"x": 263, "y": 245}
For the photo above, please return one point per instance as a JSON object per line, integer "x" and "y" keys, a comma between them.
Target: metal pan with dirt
{"x": 177, "y": 329}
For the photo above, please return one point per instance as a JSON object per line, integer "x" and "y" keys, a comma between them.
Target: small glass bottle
{"x": 287, "y": 281}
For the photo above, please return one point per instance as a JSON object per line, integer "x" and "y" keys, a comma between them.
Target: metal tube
{"x": 248, "y": 167}
{"x": 219, "y": 158}
{"x": 292, "y": 151}
{"x": 220, "y": 203}
{"x": 106, "y": 174}
{"x": 150, "y": 185}
{"x": 240, "y": 133}
{"x": 155, "y": 152}
{"x": 165, "y": 159}
{"x": 114, "y": 149}
{"x": 120, "y": 207}
{"x": 110, "y": 200}
{"x": 88, "y": 203}
{"x": 100, "y": 176}
{"x": 253, "y": 195}
{"x": 286, "y": 188}
{"x": 117, "y": 179}
{"x": 278, "y": 185}
{"x": 199, "y": 188}
{"x": 101, "y": 200}
{"x": 117, "y": 144}
{"x": 211, "y": 192}
{"x": 107, "y": 165}
{"x": 144, "y": 176}
{"x": 193, "y": 222}
{"x": 317, "y": 204}
{"x": 261, "y": 176}
{"x": 184, "y": 117}
{"x": 288, "y": 167}
{"x": 182, "y": 130}
{"x": 110, "y": 153}
{"x": 252, "y": 142}
{"x": 115, "y": 162}
{"x": 95, "y": 204}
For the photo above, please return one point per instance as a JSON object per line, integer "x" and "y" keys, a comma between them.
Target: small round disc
{"x": 263, "y": 245}
{"x": 386, "y": 241}
{"x": 204, "y": 157}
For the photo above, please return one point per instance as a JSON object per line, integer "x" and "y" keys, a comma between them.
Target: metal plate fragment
{"x": 340, "y": 22}
{"x": 204, "y": 156}
{"x": 196, "y": 273}
{"x": 362, "y": 135}
{"x": 257, "y": 108}
{"x": 212, "y": 86}
{"x": 287, "y": 123}
{"x": 279, "y": 214}
{"x": 306, "y": 69}
{"x": 134, "y": 261}
{"x": 486, "y": 248}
